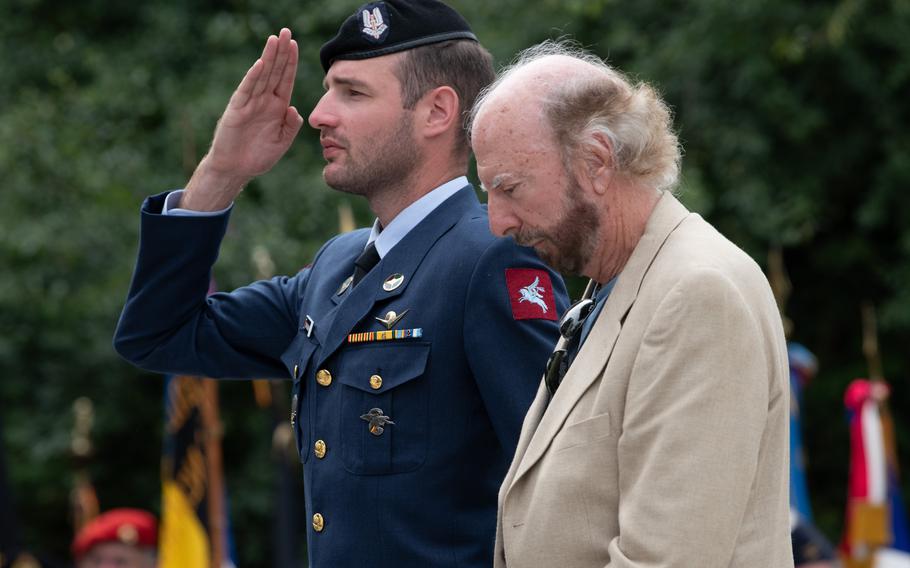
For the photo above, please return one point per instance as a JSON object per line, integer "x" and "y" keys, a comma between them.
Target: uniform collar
{"x": 412, "y": 215}
{"x": 402, "y": 261}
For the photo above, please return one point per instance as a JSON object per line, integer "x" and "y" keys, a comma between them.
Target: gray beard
{"x": 573, "y": 237}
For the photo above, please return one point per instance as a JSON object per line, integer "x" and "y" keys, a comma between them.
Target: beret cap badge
{"x": 375, "y": 18}
{"x": 128, "y": 534}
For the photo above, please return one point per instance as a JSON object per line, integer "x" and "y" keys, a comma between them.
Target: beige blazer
{"x": 667, "y": 443}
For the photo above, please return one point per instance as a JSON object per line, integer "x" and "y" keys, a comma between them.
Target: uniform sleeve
{"x": 695, "y": 414}
{"x": 508, "y": 355}
{"x": 168, "y": 323}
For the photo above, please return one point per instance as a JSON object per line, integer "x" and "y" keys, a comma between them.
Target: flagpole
{"x": 877, "y": 377}
{"x": 346, "y": 222}
{"x": 83, "y": 498}
{"x": 214, "y": 463}
{"x": 781, "y": 286}
{"x": 870, "y": 343}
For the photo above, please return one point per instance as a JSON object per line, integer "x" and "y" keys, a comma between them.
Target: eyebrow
{"x": 349, "y": 81}
{"x": 498, "y": 180}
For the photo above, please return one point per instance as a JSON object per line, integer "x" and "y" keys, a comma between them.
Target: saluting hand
{"x": 254, "y": 132}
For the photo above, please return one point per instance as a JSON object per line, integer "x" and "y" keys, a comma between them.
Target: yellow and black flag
{"x": 194, "y": 527}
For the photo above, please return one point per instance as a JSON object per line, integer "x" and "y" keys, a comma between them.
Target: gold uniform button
{"x": 324, "y": 377}
{"x": 376, "y": 382}
{"x": 295, "y": 371}
{"x": 319, "y": 449}
{"x": 318, "y": 522}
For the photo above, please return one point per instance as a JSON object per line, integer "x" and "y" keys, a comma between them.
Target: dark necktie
{"x": 365, "y": 262}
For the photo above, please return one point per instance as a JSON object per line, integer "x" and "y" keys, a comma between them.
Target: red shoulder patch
{"x": 531, "y": 293}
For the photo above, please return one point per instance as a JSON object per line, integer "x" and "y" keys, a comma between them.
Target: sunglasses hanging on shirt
{"x": 569, "y": 327}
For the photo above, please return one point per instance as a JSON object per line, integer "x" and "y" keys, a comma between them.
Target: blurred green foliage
{"x": 793, "y": 117}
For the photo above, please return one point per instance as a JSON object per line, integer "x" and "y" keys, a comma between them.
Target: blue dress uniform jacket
{"x": 423, "y": 491}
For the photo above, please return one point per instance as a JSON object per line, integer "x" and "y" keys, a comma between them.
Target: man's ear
{"x": 597, "y": 158}
{"x": 438, "y": 111}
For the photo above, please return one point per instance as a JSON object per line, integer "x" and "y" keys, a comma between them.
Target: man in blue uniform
{"x": 415, "y": 348}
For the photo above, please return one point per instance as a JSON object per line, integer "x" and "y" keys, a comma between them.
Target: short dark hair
{"x": 464, "y": 65}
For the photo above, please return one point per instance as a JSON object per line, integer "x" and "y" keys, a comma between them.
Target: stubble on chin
{"x": 388, "y": 161}
{"x": 347, "y": 177}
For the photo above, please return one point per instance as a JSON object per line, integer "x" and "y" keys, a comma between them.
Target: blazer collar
{"x": 595, "y": 352}
{"x": 403, "y": 259}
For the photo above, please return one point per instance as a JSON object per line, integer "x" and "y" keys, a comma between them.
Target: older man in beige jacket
{"x": 662, "y": 440}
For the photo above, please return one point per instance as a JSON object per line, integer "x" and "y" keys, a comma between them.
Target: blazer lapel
{"x": 594, "y": 354}
{"x": 404, "y": 258}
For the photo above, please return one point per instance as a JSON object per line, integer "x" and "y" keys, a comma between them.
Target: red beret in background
{"x": 128, "y": 526}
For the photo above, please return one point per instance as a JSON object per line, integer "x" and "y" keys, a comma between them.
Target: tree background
{"x": 793, "y": 117}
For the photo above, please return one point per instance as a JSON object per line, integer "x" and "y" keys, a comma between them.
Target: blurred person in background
{"x": 119, "y": 538}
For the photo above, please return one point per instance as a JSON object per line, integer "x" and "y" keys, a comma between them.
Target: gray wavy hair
{"x": 630, "y": 114}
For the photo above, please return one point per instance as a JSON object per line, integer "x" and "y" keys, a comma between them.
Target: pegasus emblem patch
{"x": 531, "y": 294}
{"x": 375, "y": 17}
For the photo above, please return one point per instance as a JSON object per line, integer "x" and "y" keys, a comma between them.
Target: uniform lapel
{"x": 404, "y": 258}
{"x": 594, "y": 354}
{"x": 358, "y": 246}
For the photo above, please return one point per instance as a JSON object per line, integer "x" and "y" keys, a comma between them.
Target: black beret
{"x": 381, "y": 28}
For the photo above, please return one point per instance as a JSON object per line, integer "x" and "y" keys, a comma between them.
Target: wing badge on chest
{"x": 391, "y": 318}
